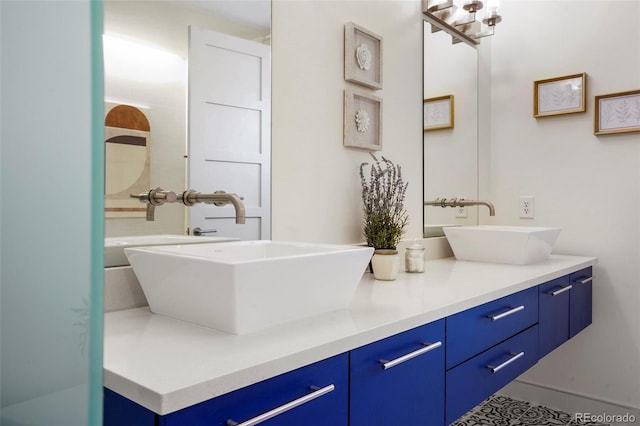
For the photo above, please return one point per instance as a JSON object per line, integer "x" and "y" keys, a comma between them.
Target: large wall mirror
{"x": 146, "y": 46}
{"x": 450, "y": 142}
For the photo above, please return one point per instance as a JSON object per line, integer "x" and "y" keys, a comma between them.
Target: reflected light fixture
{"x": 460, "y": 18}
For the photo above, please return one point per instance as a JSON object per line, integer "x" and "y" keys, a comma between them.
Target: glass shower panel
{"x": 51, "y": 217}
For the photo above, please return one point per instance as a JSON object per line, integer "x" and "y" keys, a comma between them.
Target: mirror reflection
{"x": 451, "y": 130}
{"x": 146, "y": 55}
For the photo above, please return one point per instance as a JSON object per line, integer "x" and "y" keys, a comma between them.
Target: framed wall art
{"x": 362, "y": 56}
{"x": 560, "y": 95}
{"x": 362, "y": 120}
{"x": 127, "y": 160}
{"x": 438, "y": 113}
{"x": 617, "y": 113}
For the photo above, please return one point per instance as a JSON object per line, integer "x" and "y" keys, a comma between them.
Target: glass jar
{"x": 414, "y": 258}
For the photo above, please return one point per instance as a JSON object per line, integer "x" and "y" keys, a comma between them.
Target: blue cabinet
{"x": 565, "y": 309}
{"x": 476, "y": 329}
{"x": 316, "y": 395}
{"x": 473, "y": 381}
{"x": 399, "y": 380}
{"x": 581, "y": 301}
{"x": 554, "y": 314}
{"x": 120, "y": 411}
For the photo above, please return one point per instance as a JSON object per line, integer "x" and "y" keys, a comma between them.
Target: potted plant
{"x": 385, "y": 217}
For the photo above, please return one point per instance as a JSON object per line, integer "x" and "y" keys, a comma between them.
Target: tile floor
{"x": 500, "y": 410}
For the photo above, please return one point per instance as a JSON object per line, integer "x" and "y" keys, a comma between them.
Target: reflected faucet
{"x": 461, "y": 202}
{"x": 218, "y": 198}
{"x": 158, "y": 196}
{"x": 155, "y": 197}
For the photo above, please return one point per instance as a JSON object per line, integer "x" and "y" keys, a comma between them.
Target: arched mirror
{"x": 146, "y": 48}
{"x": 450, "y": 143}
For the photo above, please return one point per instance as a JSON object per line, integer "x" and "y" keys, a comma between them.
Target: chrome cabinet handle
{"x": 317, "y": 392}
{"x": 496, "y": 317}
{"x": 560, "y": 290}
{"x": 427, "y": 347}
{"x": 507, "y": 362}
{"x": 585, "y": 281}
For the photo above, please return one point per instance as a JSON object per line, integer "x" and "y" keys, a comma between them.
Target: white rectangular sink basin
{"x": 114, "y": 246}
{"x": 516, "y": 245}
{"x": 239, "y": 287}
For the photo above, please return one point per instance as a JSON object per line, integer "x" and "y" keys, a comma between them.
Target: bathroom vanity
{"x": 421, "y": 350}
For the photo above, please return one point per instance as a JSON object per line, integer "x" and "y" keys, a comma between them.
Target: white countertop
{"x": 166, "y": 365}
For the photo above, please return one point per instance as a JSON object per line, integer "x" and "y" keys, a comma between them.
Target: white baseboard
{"x": 573, "y": 403}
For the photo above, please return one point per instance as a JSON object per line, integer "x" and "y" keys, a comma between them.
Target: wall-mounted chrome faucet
{"x": 155, "y": 197}
{"x": 460, "y": 202}
{"x": 218, "y": 198}
{"x": 158, "y": 196}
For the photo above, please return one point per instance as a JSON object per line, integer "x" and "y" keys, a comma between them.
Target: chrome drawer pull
{"x": 496, "y": 317}
{"x": 585, "y": 281}
{"x": 317, "y": 392}
{"x": 428, "y": 347}
{"x": 507, "y": 362}
{"x": 560, "y": 290}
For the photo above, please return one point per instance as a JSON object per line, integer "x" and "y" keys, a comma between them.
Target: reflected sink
{"x": 114, "y": 246}
{"x": 516, "y": 245}
{"x": 243, "y": 286}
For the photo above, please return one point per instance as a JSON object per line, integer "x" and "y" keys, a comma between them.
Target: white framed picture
{"x": 362, "y": 56}
{"x": 362, "y": 120}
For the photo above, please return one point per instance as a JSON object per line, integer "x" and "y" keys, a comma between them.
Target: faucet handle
{"x": 155, "y": 197}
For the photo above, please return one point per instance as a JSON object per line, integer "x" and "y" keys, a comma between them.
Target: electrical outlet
{"x": 527, "y": 207}
{"x": 461, "y": 212}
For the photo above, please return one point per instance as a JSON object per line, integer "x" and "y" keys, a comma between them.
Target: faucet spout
{"x": 455, "y": 202}
{"x": 218, "y": 198}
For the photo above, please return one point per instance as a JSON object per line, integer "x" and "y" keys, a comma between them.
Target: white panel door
{"x": 229, "y": 131}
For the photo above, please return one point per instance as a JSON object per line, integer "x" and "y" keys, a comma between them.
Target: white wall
{"x": 315, "y": 182}
{"x": 588, "y": 185}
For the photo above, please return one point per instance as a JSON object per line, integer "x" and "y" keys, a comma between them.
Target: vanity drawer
{"x": 399, "y": 380}
{"x": 328, "y": 377}
{"x": 474, "y": 330}
{"x": 478, "y": 378}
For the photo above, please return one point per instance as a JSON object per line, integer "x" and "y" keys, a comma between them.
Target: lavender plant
{"x": 383, "y": 204}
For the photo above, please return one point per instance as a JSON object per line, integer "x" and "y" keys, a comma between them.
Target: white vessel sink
{"x": 114, "y": 246}
{"x": 517, "y": 245}
{"x": 243, "y": 286}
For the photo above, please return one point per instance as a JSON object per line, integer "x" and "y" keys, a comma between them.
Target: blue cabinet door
{"x": 120, "y": 411}
{"x": 474, "y": 330}
{"x": 581, "y": 302}
{"x": 553, "y": 317}
{"x": 327, "y": 378}
{"x": 409, "y": 391}
{"x": 476, "y": 379}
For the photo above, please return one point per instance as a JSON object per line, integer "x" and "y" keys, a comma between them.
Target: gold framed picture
{"x": 617, "y": 113}
{"x": 560, "y": 95}
{"x": 438, "y": 113}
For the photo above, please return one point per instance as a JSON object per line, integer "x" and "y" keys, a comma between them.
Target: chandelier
{"x": 460, "y": 21}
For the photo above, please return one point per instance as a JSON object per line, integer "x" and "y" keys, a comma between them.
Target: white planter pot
{"x": 386, "y": 264}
